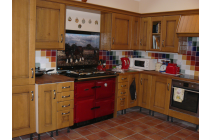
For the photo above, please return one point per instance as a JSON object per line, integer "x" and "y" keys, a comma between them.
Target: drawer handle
{"x": 86, "y": 89}
{"x": 65, "y": 113}
{"x": 65, "y": 105}
{"x": 124, "y": 78}
{"x": 123, "y": 85}
{"x": 65, "y": 87}
{"x": 32, "y": 73}
{"x": 65, "y": 96}
{"x": 123, "y": 92}
{"x": 122, "y": 98}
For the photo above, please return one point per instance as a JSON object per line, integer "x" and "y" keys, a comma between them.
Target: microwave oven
{"x": 142, "y": 63}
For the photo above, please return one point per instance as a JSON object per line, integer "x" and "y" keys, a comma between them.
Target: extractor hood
{"x": 188, "y": 26}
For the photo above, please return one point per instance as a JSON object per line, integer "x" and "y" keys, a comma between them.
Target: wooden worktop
{"x": 54, "y": 78}
{"x": 155, "y": 73}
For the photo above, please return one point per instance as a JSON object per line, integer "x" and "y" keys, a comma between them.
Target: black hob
{"x": 186, "y": 76}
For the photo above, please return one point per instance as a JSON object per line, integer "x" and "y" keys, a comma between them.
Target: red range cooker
{"x": 93, "y": 99}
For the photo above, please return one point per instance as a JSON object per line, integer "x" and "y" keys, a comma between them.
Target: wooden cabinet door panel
{"x": 65, "y": 118}
{"x": 47, "y": 102}
{"x": 145, "y": 33}
{"x": 23, "y": 110}
{"x": 50, "y": 20}
{"x": 145, "y": 83}
{"x": 23, "y": 48}
{"x": 121, "y": 31}
{"x": 135, "y": 33}
{"x": 132, "y": 103}
{"x": 122, "y": 103}
{"x": 170, "y": 39}
{"x": 160, "y": 96}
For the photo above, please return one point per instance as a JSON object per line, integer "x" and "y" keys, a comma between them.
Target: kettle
{"x": 125, "y": 62}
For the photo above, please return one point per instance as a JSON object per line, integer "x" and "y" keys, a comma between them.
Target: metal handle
{"x": 123, "y": 85}
{"x": 163, "y": 43}
{"x": 122, "y": 98}
{"x": 32, "y": 98}
{"x": 188, "y": 90}
{"x": 65, "y": 105}
{"x": 124, "y": 78}
{"x": 65, "y": 113}
{"x": 65, "y": 96}
{"x": 61, "y": 38}
{"x": 140, "y": 42}
{"x": 65, "y": 87}
{"x": 141, "y": 81}
{"x": 113, "y": 40}
{"x": 123, "y": 92}
{"x": 86, "y": 89}
{"x": 54, "y": 94}
{"x": 168, "y": 86}
{"x": 32, "y": 73}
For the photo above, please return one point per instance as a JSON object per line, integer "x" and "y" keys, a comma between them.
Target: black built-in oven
{"x": 190, "y": 103}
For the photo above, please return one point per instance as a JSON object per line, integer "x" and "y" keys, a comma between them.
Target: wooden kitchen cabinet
{"x": 145, "y": 86}
{"x": 131, "y": 77}
{"x": 23, "y": 110}
{"x": 135, "y": 43}
{"x": 46, "y": 100}
{"x": 164, "y": 37}
{"x": 145, "y": 24}
{"x": 160, "y": 94}
{"x": 122, "y": 102}
{"x": 23, "y": 48}
{"x": 50, "y": 29}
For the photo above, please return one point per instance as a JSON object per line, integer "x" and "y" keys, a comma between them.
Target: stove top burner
{"x": 189, "y": 76}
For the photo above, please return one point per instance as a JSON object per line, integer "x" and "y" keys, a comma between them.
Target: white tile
{"x": 37, "y": 53}
{"x": 192, "y": 72}
{"x": 37, "y": 59}
{"x": 183, "y": 67}
{"x": 187, "y": 72}
{"x": 176, "y": 56}
{"x": 179, "y": 62}
{"x": 48, "y": 66}
{"x": 183, "y": 62}
{"x": 187, "y": 67}
{"x": 43, "y": 66}
{"x": 180, "y": 57}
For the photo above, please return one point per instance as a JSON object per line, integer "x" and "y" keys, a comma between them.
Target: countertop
{"x": 155, "y": 73}
{"x": 53, "y": 78}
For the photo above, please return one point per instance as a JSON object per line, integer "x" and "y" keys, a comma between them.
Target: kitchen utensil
{"x": 157, "y": 66}
{"x": 125, "y": 62}
{"x": 39, "y": 72}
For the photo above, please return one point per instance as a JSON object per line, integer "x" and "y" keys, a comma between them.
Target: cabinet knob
{"x": 113, "y": 40}
{"x": 32, "y": 98}
{"x": 32, "y": 73}
{"x": 141, "y": 81}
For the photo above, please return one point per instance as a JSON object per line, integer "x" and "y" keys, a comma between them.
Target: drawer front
{"x": 65, "y": 118}
{"x": 123, "y": 85}
{"x": 123, "y": 78}
{"x": 66, "y": 105}
{"x": 67, "y": 86}
{"x": 65, "y": 96}
{"x": 122, "y": 92}
{"x": 122, "y": 103}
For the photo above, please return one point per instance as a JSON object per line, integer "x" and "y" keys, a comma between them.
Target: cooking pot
{"x": 39, "y": 72}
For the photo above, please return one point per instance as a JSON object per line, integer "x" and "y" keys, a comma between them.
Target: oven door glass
{"x": 138, "y": 63}
{"x": 189, "y": 103}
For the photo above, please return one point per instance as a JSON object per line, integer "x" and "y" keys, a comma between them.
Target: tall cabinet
{"x": 23, "y": 67}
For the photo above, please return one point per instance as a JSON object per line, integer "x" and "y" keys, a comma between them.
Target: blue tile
{"x": 131, "y": 53}
{"x": 193, "y": 48}
{"x": 164, "y": 56}
{"x": 110, "y": 57}
{"x": 114, "y": 62}
{"x": 197, "y": 53}
{"x": 189, "y": 43}
{"x": 107, "y": 53}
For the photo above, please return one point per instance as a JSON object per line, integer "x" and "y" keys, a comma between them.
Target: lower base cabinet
{"x": 23, "y": 110}
{"x": 133, "y": 78}
{"x": 54, "y": 106}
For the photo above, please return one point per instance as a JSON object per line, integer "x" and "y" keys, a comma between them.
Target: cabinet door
{"x": 104, "y": 108}
{"x": 132, "y": 103}
{"x": 135, "y": 33}
{"x": 157, "y": 30}
{"x": 65, "y": 118}
{"x": 84, "y": 89}
{"x": 145, "y": 84}
{"x": 160, "y": 96}
{"x": 23, "y": 110}
{"x": 106, "y": 88}
{"x": 170, "y": 39}
{"x": 121, "y": 32}
{"x": 50, "y": 30}
{"x": 23, "y": 48}
{"x": 47, "y": 102}
{"x": 145, "y": 33}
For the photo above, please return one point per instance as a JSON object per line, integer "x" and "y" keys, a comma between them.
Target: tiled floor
{"x": 133, "y": 125}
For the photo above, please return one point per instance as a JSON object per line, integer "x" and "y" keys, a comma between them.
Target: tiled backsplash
{"x": 187, "y": 60}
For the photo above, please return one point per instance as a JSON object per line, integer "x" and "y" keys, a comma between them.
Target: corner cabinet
{"x": 160, "y": 94}
{"x": 145, "y": 33}
{"x": 50, "y": 25}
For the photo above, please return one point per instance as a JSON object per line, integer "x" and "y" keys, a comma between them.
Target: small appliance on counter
{"x": 164, "y": 65}
{"x": 101, "y": 65}
{"x": 125, "y": 63}
{"x": 172, "y": 68}
{"x": 142, "y": 63}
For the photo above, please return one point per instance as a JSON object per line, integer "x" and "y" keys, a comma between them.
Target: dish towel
{"x": 178, "y": 94}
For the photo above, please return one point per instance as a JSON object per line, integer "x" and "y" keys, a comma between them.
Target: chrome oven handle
{"x": 188, "y": 90}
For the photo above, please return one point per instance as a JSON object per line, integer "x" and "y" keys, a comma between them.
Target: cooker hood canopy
{"x": 188, "y": 26}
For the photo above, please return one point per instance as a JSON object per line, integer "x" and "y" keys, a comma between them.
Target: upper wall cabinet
{"x": 164, "y": 37}
{"x": 135, "y": 33}
{"x": 145, "y": 33}
{"x": 23, "y": 48}
{"x": 116, "y": 32}
{"x": 50, "y": 25}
